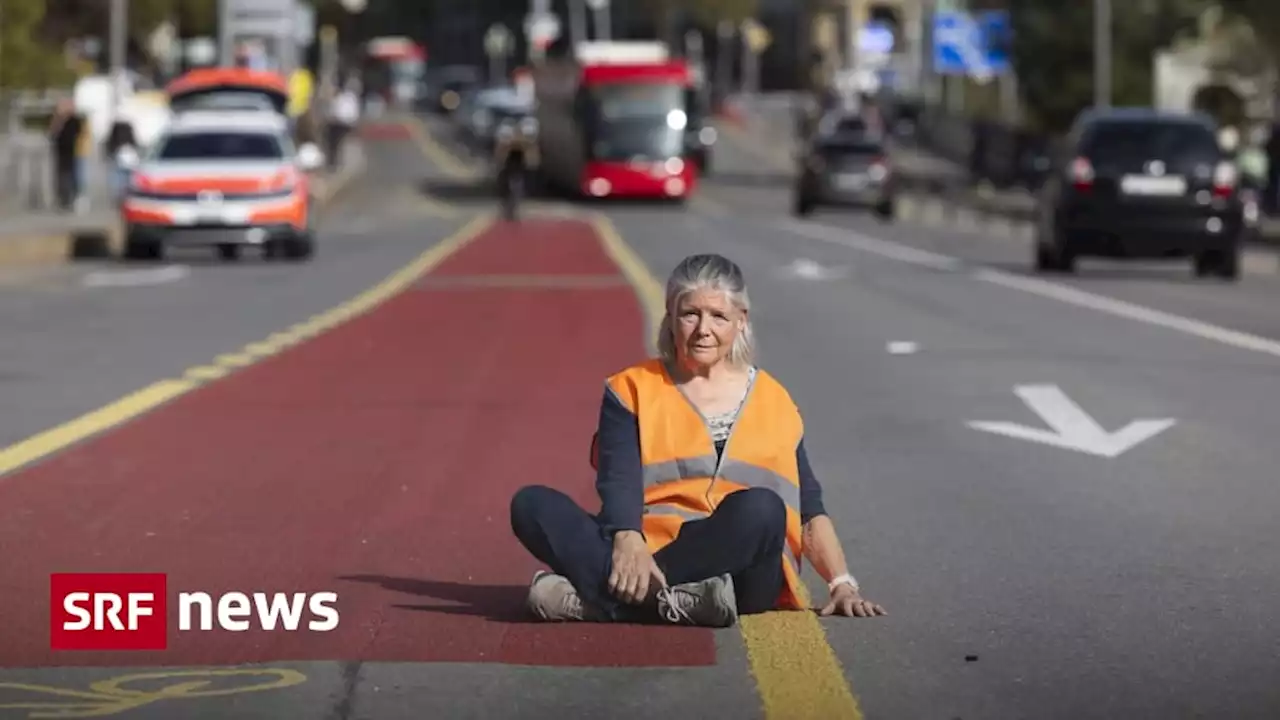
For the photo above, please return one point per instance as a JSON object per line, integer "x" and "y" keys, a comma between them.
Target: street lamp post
{"x": 1102, "y": 53}
{"x": 119, "y": 47}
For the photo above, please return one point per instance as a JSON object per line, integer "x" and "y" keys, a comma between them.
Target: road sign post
{"x": 601, "y": 19}
{"x": 577, "y": 21}
{"x": 541, "y": 28}
{"x": 724, "y": 61}
{"x": 755, "y": 40}
{"x": 497, "y": 45}
{"x": 693, "y": 48}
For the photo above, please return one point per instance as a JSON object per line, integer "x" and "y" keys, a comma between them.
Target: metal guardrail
{"x": 26, "y": 163}
{"x": 26, "y": 172}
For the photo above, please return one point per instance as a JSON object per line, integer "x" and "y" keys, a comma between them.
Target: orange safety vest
{"x": 681, "y": 477}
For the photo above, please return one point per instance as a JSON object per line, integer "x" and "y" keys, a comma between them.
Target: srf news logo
{"x": 130, "y": 611}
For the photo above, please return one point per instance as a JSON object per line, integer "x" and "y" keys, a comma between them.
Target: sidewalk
{"x": 51, "y": 236}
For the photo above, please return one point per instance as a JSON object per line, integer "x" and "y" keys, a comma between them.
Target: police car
{"x": 224, "y": 179}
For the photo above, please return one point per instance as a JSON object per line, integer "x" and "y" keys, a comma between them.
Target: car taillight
{"x": 1225, "y": 178}
{"x": 1082, "y": 173}
{"x": 879, "y": 169}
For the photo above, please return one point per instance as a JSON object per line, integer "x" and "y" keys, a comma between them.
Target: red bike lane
{"x": 376, "y": 461}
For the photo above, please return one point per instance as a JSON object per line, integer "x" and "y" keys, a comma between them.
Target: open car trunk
{"x": 229, "y": 90}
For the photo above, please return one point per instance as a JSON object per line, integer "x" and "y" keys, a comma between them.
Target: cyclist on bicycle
{"x": 515, "y": 154}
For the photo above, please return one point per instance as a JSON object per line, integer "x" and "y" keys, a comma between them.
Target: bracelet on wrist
{"x": 845, "y": 579}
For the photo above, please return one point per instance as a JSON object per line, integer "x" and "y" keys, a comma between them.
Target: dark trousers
{"x": 337, "y": 133}
{"x": 744, "y": 538}
{"x": 66, "y": 185}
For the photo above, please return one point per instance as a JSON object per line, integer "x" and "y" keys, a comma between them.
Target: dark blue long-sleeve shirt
{"x": 619, "y": 474}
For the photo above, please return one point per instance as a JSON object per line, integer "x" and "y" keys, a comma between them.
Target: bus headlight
{"x": 674, "y": 166}
{"x": 674, "y": 187}
{"x": 677, "y": 120}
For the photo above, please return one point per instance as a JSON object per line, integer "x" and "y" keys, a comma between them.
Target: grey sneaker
{"x": 709, "y": 603}
{"x": 552, "y": 597}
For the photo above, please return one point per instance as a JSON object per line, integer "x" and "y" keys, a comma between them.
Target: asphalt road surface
{"x": 1062, "y": 490}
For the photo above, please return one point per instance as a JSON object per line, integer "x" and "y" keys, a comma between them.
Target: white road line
{"x": 868, "y": 244}
{"x": 1041, "y": 288}
{"x": 136, "y": 278}
{"x": 903, "y": 347}
{"x": 1132, "y": 311}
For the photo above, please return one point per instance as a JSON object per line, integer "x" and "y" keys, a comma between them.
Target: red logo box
{"x": 108, "y": 611}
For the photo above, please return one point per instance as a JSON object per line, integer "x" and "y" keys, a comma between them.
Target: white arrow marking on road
{"x": 902, "y": 347}
{"x": 1072, "y": 427}
{"x": 136, "y": 278}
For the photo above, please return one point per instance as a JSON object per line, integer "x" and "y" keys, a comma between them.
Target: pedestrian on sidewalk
{"x": 65, "y": 130}
{"x": 84, "y": 151}
{"x": 708, "y": 501}
{"x": 120, "y": 138}
{"x": 344, "y": 113}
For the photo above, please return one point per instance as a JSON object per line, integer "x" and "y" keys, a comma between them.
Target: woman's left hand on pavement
{"x": 847, "y": 601}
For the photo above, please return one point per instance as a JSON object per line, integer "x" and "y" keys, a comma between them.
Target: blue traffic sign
{"x": 997, "y": 38}
{"x": 965, "y": 44}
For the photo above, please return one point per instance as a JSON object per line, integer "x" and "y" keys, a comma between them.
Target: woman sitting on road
{"x": 708, "y": 502}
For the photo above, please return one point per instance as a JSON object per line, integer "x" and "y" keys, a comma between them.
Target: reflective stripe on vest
{"x": 743, "y": 473}
{"x": 674, "y": 510}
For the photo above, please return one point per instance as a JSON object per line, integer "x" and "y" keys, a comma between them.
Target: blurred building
{"x": 832, "y": 26}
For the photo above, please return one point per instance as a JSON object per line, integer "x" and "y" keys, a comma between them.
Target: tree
{"x": 1052, "y": 52}
{"x": 26, "y": 62}
{"x": 709, "y": 13}
{"x": 1263, "y": 16}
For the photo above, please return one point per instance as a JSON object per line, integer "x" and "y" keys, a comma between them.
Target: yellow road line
{"x": 67, "y": 434}
{"x": 46, "y": 443}
{"x": 797, "y": 673}
{"x": 435, "y": 152}
{"x": 436, "y": 207}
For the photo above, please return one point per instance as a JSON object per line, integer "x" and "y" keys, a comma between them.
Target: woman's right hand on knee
{"x": 634, "y": 570}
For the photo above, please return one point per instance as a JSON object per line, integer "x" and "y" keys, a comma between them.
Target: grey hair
{"x": 708, "y": 272}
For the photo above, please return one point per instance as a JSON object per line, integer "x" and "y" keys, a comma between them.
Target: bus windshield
{"x": 636, "y": 120}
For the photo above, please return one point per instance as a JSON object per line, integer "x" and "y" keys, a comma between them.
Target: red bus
{"x": 614, "y": 125}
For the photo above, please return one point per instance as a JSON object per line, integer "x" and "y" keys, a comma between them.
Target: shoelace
{"x": 571, "y": 604}
{"x": 671, "y": 609}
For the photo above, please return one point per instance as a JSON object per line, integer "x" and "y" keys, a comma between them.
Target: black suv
{"x": 1139, "y": 183}
{"x": 846, "y": 164}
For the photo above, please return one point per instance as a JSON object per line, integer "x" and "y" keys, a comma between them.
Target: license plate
{"x": 851, "y": 181}
{"x": 1147, "y": 185}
